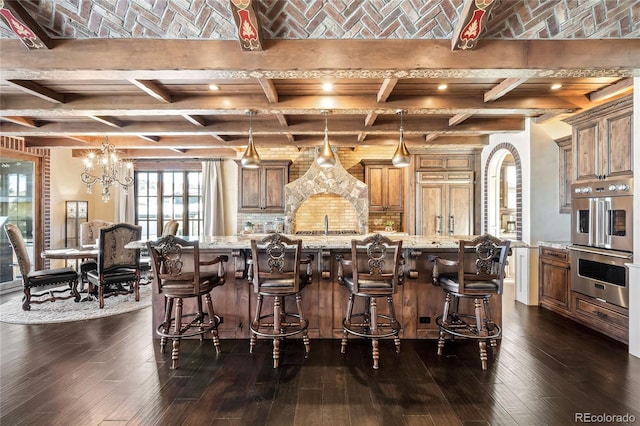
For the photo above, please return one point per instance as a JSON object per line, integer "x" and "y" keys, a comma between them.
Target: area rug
{"x": 68, "y": 310}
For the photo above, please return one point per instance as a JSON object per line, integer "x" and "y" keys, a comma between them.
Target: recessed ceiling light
{"x": 442, "y": 86}
{"x": 214, "y": 87}
{"x": 327, "y": 87}
{"x": 556, "y": 86}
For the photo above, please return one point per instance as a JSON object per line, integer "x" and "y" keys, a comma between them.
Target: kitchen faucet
{"x": 326, "y": 224}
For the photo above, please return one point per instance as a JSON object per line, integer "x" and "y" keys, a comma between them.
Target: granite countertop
{"x": 560, "y": 245}
{"x": 315, "y": 242}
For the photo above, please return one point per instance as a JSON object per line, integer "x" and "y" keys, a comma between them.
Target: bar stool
{"x": 480, "y": 275}
{"x": 179, "y": 274}
{"x": 374, "y": 271}
{"x": 276, "y": 271}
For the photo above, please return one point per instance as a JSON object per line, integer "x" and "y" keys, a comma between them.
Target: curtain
{"x": 124, "y": 202}
{"x": 212, "y": 198}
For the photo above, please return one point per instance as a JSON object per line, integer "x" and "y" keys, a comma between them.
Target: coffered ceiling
{"x": 139, "y": 71}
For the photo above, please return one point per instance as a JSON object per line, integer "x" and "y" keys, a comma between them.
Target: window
{"x": 165, "y": 195}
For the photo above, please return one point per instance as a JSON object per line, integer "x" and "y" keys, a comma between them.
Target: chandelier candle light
{"x": 108, "y": 165}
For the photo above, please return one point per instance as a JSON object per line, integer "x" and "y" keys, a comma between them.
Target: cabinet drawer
{"x": 554, "y": 254}
{"x": 592, "y": 310}
{"x": 445, "y": 162}
{"x": 466, "y": 177}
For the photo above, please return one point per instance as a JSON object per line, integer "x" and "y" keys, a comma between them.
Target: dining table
{"x": 77, "y": 254}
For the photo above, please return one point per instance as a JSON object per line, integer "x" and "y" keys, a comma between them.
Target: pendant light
{"x": 326, "y": 158}
{"x": 402, "y": 157}
{"x": 250, "y": 159}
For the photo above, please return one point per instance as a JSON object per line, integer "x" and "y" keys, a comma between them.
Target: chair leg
{"x": 392, "y": 311}
{"x": 101, "y": 295}
{"x": 200, "y": 318}
{"x": 480, "y": 328}
{"x": 74, "y": 290}
{"x": 276, "y": 328}
{"x": 212, "y": 320}
{"x": 445, "y": 309}
{"x": 256, "y": 323}
{"x": 483, "y": 353}
{"x": 441, "y": 341}
{"x": 175, "y": 352}
{"x": 136, "y": 287}
{"x": 305, "y": 334}
{"x": 347, "y": 323}
{"x": 26, "y": 299}
{"x": 166, "y": 325}
{"x": 375, "y": 352}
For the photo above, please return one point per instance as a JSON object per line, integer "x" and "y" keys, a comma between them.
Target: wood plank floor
{"x": 110, "y": 371}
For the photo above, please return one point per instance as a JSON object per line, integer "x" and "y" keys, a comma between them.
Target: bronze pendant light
{"x": 250, "y": 159}
{"x": 402, "y": 157}
{"x": 326, "y": 158}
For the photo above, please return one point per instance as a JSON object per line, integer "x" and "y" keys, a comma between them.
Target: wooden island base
{"x": 417, "y": 303}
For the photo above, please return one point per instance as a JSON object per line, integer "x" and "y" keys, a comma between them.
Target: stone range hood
{"x": 333, "y": 180}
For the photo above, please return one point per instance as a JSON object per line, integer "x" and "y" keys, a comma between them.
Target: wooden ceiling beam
{"x": 150, "y": 138}
{"x": 109, "y": 121}
{"x": 248, "y": 25}
{"x": 152, "y": 89}
{"x": 386, "y": 88}
{"x": 282, "y": 119}
{"x": 132, "y": 105}
{"x": 269, "y": 89}
{"x": 195, "y": 120}
{"x": 621, "y": 87}
{"x": 83, "y": 59}
{"x": 23, "y": 121}
{"x": 470, "y": 24}
{"x": 38, "y": 90}
{"x": 458, "y": 118}
{"x": 370, "y": 119}
{"x": 30, "y": 33}
{"x": 505, "y": 86}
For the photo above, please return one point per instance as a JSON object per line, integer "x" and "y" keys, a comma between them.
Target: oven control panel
{"x": 613, "y": 188}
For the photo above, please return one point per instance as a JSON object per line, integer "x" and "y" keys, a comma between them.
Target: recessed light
{"x": 327, "y": 87}
{"x": 442, "y": 86}
{"x": 214, "y": 87}
{"x": 556, "y": 86}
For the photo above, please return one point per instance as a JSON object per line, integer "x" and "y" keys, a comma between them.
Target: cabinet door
{"x": 375, "y": 178}
{"x": 554, "y": 283}
{"x": 394, "y": 188}
{"x": 459, "y": 220}
{"x": 249, "y": 188}
{"x": 618, "y": 135}
{"x": 430, "y": 215}
{"x": 274, "y": 180}
{"x": 586, "y": 138}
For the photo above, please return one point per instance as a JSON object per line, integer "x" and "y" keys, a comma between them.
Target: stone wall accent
{"x": 334, "y": 180}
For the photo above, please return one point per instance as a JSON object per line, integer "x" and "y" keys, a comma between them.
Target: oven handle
{"x": 586, "y": 250}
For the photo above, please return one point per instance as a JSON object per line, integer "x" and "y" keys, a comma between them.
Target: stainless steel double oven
{"x": 602, "y": 239}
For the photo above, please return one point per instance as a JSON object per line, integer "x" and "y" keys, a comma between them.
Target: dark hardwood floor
{"x": 110, "y": 371}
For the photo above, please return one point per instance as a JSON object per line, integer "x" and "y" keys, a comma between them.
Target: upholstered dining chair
{"x": 170, "y": 228}
{"x": 42, "y": 278}
{"x": 89, "y": 233}
{"x": 181, "y": 273}
{"x": 117, "y": 266}
{"x": 478, "y": 274}
{"x": 374, "y": 271}
{"x": 277, "y": 272}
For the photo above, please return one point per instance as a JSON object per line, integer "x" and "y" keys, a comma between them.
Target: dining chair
{"x": 181, "y": 273}
{"x": 41, "y": 278}
{"x": 117, "y": 266}
{"x": 478, "y": 275}
{"x": 277, "y": 272}
{"x": 374, "y": 271}
{"x": 89, "y": 233}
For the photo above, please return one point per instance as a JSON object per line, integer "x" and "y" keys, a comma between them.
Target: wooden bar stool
{"x": 374, "y": 271}
{"x": 480, "y": 275}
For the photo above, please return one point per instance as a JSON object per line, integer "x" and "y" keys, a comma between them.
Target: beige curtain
{"x": 124, "y": 201}
{"x": 212, "y": 198}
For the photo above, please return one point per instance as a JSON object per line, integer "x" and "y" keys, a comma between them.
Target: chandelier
{"x": 107, "y": 166}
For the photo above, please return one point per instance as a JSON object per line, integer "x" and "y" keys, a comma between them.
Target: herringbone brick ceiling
{"x": 333, "y": 19}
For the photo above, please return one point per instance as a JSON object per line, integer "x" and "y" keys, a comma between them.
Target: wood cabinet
{"x": 554, "y": 288}
{"x": 444, "y": 203}
{"x": 606, "y": 318}
{"x": 445, "y": 161}
{"x": 386, "y": 185}
{"x": 602, "y": 140}
{"x": 262, "y": 189}
{"x": 565, "y": 173}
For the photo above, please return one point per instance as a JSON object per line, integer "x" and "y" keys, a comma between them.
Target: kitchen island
{"x": 418, "y": 301}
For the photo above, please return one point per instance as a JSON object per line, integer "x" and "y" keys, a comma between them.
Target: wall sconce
{"x": 326, "y": 158}
{"x": 402, "y": 157}
{"x": 250, "y": 159}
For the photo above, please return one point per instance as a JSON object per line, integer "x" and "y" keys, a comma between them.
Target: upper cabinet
{"x": 262, "y": 189}
{"x": 386, "y": 183}
{"x": 602, "y": 140}
{"x": 565, "y": 172}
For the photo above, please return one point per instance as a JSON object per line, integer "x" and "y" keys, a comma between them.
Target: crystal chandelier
{"x": 107, "y": 165}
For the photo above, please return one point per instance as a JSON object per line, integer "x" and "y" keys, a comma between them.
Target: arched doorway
{"x": 503, "y": 185}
